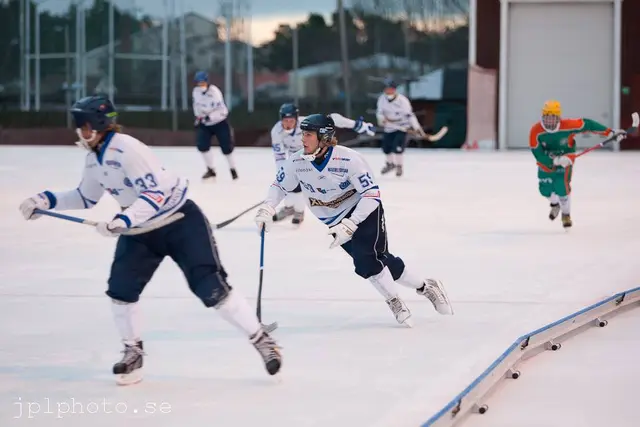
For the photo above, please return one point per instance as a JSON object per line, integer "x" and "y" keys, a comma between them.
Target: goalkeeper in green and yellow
{"x": 552, "y": 142}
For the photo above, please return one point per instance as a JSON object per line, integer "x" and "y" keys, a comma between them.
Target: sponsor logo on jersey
{"x": 128, "y": 182}
{"x": 344, "y": 184}
{"x": 304, "y": 170}
{"x": 344, "y": 159}
{"x": 338, "y": 170}
{"x": 333, "y": 204}
{"x": 114, "y": 164}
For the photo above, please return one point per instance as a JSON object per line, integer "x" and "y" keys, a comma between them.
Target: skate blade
{"x": 270, "y": 327}
{"x": 129, "y": 379}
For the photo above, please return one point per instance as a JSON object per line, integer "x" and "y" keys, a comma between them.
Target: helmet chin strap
{"x": 85, "y": 142}
{"x": 311, "y": 157}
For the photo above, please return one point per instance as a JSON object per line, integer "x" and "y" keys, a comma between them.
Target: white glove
{"x": 264, "y": 217}
{"x": 111, "y": 229}
{"x": 563, "y": 161}
{"x": 39, "y": 201}
{"x": 364, "y": 127}
{"x": 342, "y": 232}
{"x": 367, "y": 128}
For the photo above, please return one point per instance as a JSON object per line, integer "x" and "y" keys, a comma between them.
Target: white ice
{"x": 474, "y": 220}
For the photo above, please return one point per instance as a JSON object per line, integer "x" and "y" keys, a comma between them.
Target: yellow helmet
{"x": 552, "y": 108}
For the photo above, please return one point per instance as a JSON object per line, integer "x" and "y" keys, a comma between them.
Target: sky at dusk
{"x": 267, "y": 14}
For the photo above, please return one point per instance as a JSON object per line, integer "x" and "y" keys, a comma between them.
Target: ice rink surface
{"x": 475, "y": 220}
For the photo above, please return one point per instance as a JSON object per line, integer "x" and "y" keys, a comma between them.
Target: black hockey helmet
{"x": 289, "y": 110}
{"x": 322, "y": 125}
{"x": 98, "y": 111}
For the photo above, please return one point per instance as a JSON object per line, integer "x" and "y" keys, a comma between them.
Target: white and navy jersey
{"x": 342, "y": 185}
{"x": 286, "y": 142}
{"x": 396, "y": 114}
{"x": 209, "y": 103}
{"x": 129, "y": 171}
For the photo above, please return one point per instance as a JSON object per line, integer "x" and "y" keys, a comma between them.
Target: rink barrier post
{"x": 550, "y": 337}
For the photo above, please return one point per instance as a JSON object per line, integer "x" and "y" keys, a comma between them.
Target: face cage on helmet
{"x": 550, "y": 122}
{"x": 80, "y": 120}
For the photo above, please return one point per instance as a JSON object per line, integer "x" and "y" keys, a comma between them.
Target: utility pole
{"x": 345, "y": 59}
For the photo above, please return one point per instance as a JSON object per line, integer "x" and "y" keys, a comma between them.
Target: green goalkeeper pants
{"x": 557, "y": 181}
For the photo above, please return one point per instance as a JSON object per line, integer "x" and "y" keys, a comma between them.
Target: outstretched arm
{"x": 359, "y": 125}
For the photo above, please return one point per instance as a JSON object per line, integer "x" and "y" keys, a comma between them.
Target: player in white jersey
{"x": 211, "y": 120}
{"x": 342, "y": 193}
{"x": 286, "y": 139}
{"x": 147, "y": 192}
{"x": 395, "y": 114}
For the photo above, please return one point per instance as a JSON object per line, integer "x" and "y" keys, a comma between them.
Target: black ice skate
{"x": 434, "y": 291}
{"x": 210, "y": 173}
{"x": 566, "y": 221}
{"x": 555, "y": 210}
{"x": 401, "y": 311}
{"x": 129, "y": 370}
{"x": 387, "y": 168}
{"x": 283, "y": 213}
{"x": 298, "y": 217}
{"x": 269, "y": 350}
{"x": 234, "y": 174}
{"x": 399, "y": 170}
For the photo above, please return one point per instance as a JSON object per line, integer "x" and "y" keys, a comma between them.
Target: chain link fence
{"x": 143, "y": 54}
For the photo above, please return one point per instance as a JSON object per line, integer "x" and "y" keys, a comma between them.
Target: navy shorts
{"x": 188, "y": 241}
{"x": 370, "y": 250}
{"x": 222, "y": 132}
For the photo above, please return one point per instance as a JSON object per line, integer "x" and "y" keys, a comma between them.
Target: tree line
{"x": 430, "y": 31}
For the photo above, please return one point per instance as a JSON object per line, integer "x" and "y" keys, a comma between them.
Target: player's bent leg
{"x": 134, "y": 264}
{"x": 203, "y": 143}
{"x": 288, "y": 209}
{"x": 546, "y": 188}
{"x": 225, "y": 139}
{"x": 562, "y": 187}
{"x": 400, "y": 144}
{"x": 388, "y": 140}
{"x": 194, "y": 249}
{"x": 367, "y": 248}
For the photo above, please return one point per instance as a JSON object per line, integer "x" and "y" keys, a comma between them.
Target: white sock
{"x": 208, "y": 158}
{"x": 399, "y": 159}
{"x": 565, "y": 205}
{"x": 384, "y": 284}
{"x": 298, "y": 201}
{"x": 231, "y": 160}
{"x": 391, "y": 158}
{"x": 236, "y": 310}
{"x": 554, "y": 200}
{"x": 126, "y": 317}
{"x": 410, "y": 280}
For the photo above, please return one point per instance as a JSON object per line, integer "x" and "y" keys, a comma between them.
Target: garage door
{"x": 559, "y": 51}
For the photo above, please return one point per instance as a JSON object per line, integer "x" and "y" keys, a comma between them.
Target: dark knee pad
{"x": 211, "y": 289}
{"x": 396, "y": 266}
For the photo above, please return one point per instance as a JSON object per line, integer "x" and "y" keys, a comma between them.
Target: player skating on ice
{"x": 552, "y": 141}
{"x": 395, "y": 114}
{"x": 342, "y": 193}
{"x": 128, "y": 170}
{"x": 286, "y": 139}
{"x": 211, "y": 120}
